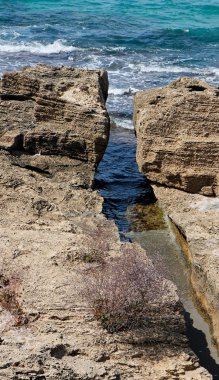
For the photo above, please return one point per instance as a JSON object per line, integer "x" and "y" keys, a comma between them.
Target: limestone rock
{"x": 197, "y": 218}
{"x": 54, "y": 130}
{"x": 55, "y": 111}
{"x": 177, "y": 129}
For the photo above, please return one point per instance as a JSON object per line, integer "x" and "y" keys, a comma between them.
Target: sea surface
{"x": 142, "y": 43}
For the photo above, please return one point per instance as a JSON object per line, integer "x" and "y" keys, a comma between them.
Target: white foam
{"x": 9, "y": 33}
{"x": 110, "y": 48}
{"x": 56, "y": 47}
{"x": 122, "y": 91}
{"x": 116, "y": 48}
{"x": 214, "y": 70}
{"x": 151, "y": 68}
{"x": 128, "y": 124}
{"x": 95, "y": 61}
{"x": 155, "y": 68}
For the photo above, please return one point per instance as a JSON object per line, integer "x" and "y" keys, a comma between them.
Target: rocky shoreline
{"x": 54, "y": 130}
{"x": 178, "y": 145}
{"x": 197, "y": 221}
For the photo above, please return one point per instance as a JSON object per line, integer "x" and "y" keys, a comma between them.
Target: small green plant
{"x": 122, "y": 292}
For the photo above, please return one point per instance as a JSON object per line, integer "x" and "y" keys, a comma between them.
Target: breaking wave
{"x": 55, "y": 47}
{"x": 154, "y": 68}
{"x": 122, "y": 91}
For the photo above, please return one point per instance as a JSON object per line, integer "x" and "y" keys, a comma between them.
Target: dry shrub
{"x": 124, "y": 291}
{"x": 9, "y": 299}
{"x": 95, "y": 248}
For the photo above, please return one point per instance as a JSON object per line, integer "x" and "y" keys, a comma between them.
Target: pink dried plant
{"x": 122, "y": 291}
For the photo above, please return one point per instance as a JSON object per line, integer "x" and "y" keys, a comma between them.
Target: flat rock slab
{"x": 46, "y": 228}
{"x": 177, "y": 129}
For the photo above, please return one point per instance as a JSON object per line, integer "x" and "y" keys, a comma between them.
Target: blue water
{"x": 119, "y": 181}
{"x": 142, "y": 43}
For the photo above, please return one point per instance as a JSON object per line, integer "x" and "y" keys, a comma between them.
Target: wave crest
{"x": 172, "y": 69}
{"x": 56, "y": 47}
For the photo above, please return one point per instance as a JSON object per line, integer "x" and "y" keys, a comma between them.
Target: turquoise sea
{"x": 142, "y": 43}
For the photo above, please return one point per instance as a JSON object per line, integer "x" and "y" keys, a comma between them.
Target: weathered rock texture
{"x": 54, "y": 129}
{"x": 197, "y": 218}
{"x": 177, "y": 128}
{"x": 53, "y": 111}
{"x": 178, "y": 147}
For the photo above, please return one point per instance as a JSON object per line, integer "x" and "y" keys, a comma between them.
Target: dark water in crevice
{"x": 121, "y": 185}
{"x": 198, "y": 343}
{"x": 119, "y": 181}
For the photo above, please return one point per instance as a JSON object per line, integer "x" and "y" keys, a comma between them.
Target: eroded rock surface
{"x": 197, "y": 218}
{"x": 54, "y": 130}
{"x": 55, "y": 111}
{"x": 177, "y": 129}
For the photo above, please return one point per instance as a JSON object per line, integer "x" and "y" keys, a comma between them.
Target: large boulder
{"x": 55, "y": 111}
{"x": 177, "y": 129}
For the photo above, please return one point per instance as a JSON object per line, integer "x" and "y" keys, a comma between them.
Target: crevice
{"x": 158, "y": 184}
{"x": 121, "y": 185}
{"x": 33, "y": 168}
{"x": 192, "y": 88}
{"x": 20, "y": 98}
{"x": 196, "y": 338}
{"x": 179, "y": 229}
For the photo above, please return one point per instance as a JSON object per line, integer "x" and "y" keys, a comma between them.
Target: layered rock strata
{"x": 197, "y": 218}
{"x": 52, "y": 111}
{"x": 177, "y": 128}
{"x": 54, "y": 128}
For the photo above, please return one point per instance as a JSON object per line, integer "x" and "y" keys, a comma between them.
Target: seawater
{"x": 142, "y": 44}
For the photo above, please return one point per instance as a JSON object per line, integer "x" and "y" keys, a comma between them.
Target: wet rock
{"x": 196, "y": 217}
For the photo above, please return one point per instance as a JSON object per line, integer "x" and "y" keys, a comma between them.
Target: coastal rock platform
{"x": 54, "y": 129}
